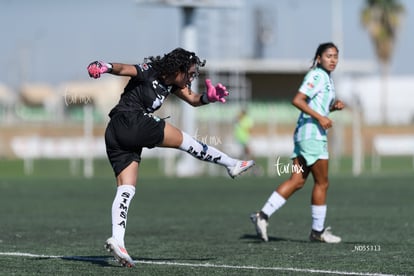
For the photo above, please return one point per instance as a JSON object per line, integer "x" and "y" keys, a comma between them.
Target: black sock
{"x": 263, "y": 215}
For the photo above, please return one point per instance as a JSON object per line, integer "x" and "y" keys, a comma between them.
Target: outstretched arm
{"x": 212, "y": 94}
{"x": 189, "y": 96}
{"x": 96, "y": 68}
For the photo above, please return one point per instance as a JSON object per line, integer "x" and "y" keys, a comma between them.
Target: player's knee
{"x": 322, "y": 184}
{"x": 299, "y": 184}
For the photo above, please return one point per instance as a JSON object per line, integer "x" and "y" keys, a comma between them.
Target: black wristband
{"x": 110, "y": 67}
{"x": 204, "y": 99}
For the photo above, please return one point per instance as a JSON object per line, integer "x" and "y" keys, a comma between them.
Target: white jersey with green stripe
{"x": 319, "y": 88}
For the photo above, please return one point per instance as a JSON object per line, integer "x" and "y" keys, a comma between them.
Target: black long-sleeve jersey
{"x": 143, "y": 93}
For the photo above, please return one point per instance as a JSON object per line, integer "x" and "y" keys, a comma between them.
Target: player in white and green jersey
{"x": 315, "y": 99}
{"x": 319, "y": 89}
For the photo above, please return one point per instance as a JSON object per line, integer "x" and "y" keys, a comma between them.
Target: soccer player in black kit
{"x": 132, "y": 126}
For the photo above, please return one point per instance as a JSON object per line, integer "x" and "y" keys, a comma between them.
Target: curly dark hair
{"x": 178, "y": 60}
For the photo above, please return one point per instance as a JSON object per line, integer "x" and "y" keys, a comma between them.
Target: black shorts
{"x": 127, "y": 133}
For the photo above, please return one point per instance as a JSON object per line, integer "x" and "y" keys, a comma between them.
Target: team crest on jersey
{"x": 310, "y": 85}
{"x": 143, "y": 66}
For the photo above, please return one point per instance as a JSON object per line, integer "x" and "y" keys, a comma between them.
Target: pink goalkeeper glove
{"x": 96, "y": 68}
{"x": 217, "y": 93}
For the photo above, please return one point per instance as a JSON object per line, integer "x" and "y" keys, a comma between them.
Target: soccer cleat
{"x": 324, "y": 236}
{"x": 260, "y": 224}
{"x": 241, "y": 166}
{"x": 120, "y": 253}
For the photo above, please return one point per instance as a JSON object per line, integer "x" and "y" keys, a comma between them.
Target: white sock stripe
{"x": 275, "y": 202}
{"x": 120, "y": 207}
{"x": 127, "y": 188}
{"x": 318, "y": 217}
{"x": 205, "y": 152}
{"x": 319, "y": 208}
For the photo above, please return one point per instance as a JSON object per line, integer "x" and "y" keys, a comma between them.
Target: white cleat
{"x": 324, "y": 236}
{"x": 260, "y": 224}
{"x": 240, "y": 168}
{"x": 120, "y": 253}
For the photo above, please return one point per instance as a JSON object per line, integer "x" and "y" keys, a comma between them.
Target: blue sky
{"x": 53, "y": 41}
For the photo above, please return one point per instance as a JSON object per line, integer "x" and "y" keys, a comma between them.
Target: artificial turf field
{"x": 56, "y": 224}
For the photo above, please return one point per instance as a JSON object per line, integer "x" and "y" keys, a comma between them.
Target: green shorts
{"x": 311, "y": 150}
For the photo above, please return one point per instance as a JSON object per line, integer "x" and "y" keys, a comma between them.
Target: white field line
{"x": 208, "y": 265}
